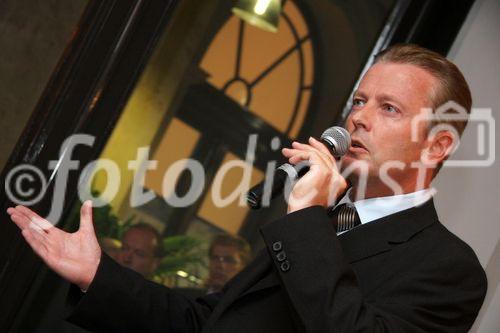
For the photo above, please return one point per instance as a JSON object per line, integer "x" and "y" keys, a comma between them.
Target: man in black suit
{"x": 397, "y": 270}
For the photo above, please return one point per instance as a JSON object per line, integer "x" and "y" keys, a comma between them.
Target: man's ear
{"x": 441, "y": 145}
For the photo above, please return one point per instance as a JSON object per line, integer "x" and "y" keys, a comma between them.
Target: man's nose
{"x": 219, "y": 264}
{"x": 361, "y": 118}
{"x": 126, "y": 256}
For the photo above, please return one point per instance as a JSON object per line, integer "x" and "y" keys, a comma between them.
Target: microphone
{"x": 336, "y": 138}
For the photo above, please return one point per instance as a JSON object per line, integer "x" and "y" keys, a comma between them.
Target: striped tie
{"x": 345, "y": 217}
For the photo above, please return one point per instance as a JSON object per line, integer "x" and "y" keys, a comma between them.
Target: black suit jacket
{"x": 402, "y": 273}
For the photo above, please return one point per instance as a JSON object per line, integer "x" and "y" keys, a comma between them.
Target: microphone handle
{"x": 286, "y": 172}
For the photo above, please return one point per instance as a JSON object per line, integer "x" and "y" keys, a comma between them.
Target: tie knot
{"x": 345, "y": 217}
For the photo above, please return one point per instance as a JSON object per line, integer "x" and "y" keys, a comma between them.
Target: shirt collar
{"x": 375, "y": 208}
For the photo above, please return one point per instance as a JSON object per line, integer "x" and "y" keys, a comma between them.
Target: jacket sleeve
{"x": 121, "y": 300}
{"x": 324, "y": 290}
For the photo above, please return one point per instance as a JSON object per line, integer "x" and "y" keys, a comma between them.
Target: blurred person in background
{"x": 141, "y": 249}
{"x": 228, "y": 255}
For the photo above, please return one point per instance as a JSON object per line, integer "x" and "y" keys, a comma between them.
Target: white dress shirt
{"x": 375, "y": 208}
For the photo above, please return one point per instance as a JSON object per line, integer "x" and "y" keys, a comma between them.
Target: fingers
{"x": 300, "y": 157}
{"x": 315, "y": 153}
{"x": 19, "y": 219}
{"x": 86, "y": 222}
{"x": 27, "y": 224}
{"x": 25, "y": 217}
{"x": 27, "y": 212}
{"x": 326, "y": 153}
{"x": 315, "y": 146}
{"x": 320, "y": 146}
{"x": 312, "y": 157}
{"x": 34, "y": 217}
{"x": 289, "y": 152}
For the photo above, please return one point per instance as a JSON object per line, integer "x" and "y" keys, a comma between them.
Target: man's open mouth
{"x": 358, "y": 144}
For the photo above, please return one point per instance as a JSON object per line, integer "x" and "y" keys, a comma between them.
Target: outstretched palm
{"x": 74, "y": 256}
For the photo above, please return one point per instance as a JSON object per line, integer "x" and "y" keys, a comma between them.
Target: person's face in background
{"x": 225, "y": 262}
{"x": 138, "y": 251}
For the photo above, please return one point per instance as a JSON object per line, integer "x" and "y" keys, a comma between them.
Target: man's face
{"x": 388, "y": 98}
{"x": 138, "y": 251}
{"x": 225, "y": 262}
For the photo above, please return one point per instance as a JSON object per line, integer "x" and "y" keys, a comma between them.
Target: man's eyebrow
{"x": 388, "y": 97}
{"x": 385, "y": 96}
{"x": 359, "y": 93}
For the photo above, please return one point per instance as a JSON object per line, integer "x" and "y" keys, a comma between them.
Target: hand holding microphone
{"x": 320, "y": 182}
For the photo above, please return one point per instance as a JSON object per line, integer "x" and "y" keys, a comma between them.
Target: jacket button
{"x": 281, "y": 256}
{"x": 277, "y": 246}
{"x": 285, "y": 266}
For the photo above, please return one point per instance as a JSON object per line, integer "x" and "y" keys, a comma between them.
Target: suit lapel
{"x": 379, "y": 236}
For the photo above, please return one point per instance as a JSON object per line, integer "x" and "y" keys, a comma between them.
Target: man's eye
{"x": 357, "y": 102}
{"x": 390, "y": 108}
{"x": 230, "y": 260}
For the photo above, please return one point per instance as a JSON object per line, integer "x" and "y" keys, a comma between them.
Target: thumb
{"x": 86, "y": 221}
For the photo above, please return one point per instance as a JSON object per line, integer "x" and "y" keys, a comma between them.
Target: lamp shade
{"x": 263, "y": 14}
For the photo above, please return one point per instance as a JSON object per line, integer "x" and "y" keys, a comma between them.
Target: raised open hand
{"x": 74, "y": 256}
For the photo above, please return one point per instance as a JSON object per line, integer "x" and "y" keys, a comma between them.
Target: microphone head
{"x": 338, "y": 140}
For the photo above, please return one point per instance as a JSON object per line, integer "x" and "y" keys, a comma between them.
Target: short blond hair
{"x": 452, "y": 84}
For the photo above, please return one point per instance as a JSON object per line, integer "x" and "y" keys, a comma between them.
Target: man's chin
{"x": 355, "y": 166}
{"x": 218, "y": 279}
{"x": 348, "y": 159}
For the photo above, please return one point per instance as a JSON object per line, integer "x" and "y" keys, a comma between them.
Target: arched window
{"x": 269, "y": 74}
